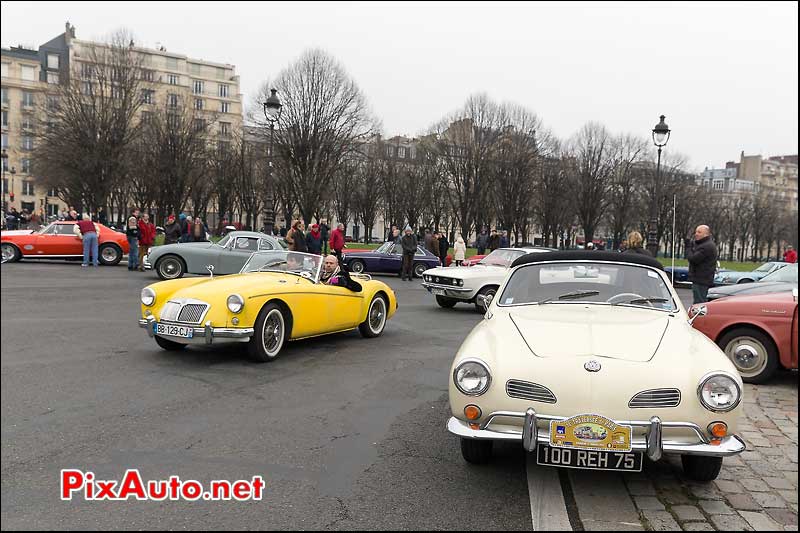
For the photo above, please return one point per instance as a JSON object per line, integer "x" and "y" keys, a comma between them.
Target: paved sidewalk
{"x": 756, "y": 491}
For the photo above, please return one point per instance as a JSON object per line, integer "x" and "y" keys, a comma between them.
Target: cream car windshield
{"x": 501, "y": 257}
{"x": 305, "y": 265}
{"x": 586, "y": 282}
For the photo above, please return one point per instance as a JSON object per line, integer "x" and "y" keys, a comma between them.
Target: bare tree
{"x": 516, "y": 157}
{"x": 464, "y": 142}
{"x": 83, "y": 147}
{"x": 174, "y": 151}
{"x": 625, "y": 192}
{"x": 324, "y": 117}
{"x": 593, "y": 153}
{"x": 366, "y": 193}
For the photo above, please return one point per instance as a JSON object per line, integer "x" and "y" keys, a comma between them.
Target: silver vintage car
{"x": 171, "y": 261}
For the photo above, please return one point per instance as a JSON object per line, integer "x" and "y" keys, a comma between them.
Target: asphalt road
{"x": 349, "y": 433}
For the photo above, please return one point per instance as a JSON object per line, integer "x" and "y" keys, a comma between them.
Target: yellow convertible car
{"x": 277, "y": 297}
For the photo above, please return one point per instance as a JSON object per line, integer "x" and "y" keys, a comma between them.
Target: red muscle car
{"x": 758, "y": 333}
{"x": 58, "y": 241}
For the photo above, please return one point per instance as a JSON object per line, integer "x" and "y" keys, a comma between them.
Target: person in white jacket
{"x": 460, "y": 250}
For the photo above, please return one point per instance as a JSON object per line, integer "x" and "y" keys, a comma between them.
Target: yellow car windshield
{"x": 306, "y": 265}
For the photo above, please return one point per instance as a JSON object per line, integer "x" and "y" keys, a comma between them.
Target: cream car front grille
{"x": 655, "y": 398}
{"x": 526, "y": 390}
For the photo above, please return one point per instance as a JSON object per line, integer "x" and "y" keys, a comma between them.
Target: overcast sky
{"x": 724, "y": 74}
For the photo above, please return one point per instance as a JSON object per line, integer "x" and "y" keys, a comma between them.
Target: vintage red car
{"x": 758, "y": 333}
{"x": 58, "y": 241}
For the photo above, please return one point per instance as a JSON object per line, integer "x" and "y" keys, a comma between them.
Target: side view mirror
{"x": 484, "y": 301}
{"x": 698, "y": 311}
{"x": 794, "y": 293}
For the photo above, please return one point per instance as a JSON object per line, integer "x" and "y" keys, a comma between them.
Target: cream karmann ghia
{"x": 589, "y": 360}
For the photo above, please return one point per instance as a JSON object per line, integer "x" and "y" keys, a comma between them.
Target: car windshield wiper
{"x": 570, "y": 296}
{"x": 644, "y": 301}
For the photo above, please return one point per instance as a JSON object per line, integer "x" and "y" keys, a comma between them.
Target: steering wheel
{"x": 625, "y": 295}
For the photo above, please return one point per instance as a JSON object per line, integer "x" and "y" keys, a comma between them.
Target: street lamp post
{"x": 11, "y": 195}
{"x": 660, "y": 137}
{"x": 272, "y": 112}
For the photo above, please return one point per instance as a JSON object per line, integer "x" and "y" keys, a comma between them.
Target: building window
{"x": 718, "y": 185}
{"x": 225, "y": 128}
{"x": 5, "y": 119}
{"x": 5, "y": 145}
{"x": 147, "y": 75}
{"x": 87, "y": 71}
{"x": 27, "y": 142}
{"x": 223, "y": 91}
{"x": 4, "y": 95}
{"x": 199, "y": 124}
{"x": 198, "y": 104}
{"x": 26, "y": 166}
{"x": 172, "y": 79}
{"x": 52, "y": 192}
{"x": 197, "y": 87}
{"x": 52, "y": 61}
{"x": 28, "y": 73}
{"x": 27, "y": 122}
{"x": 27, "y": 98}
{"x": 172, "y": 63}
{"x": 226, "y": 107}
{"x": 223, "y": 146}
{"x": 147, "y": 117}
{"x": 5, "y": 183}
{"x": 52, "y": 210}
{"x": 401, "y": 151}
{"x": 172, "y": 100}
{"x": 5, "y": 70}
{"x": 52, "y": 77}
{"x": 172, "y": 120}
{"x": 27, "y": 188}
{"x": 147, "y": 96}
{"x": 87, "y": 88}
{"x": 389, "y": 151}
{"x": 52, "y": 103}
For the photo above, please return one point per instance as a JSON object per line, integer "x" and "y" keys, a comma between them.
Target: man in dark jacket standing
{"x": 494, "y": 241}
{"x": 702, "y": 263}
{"x": 325, "y": 231}
{"x": 443, "y": 247}
{"x": 482, "y": 242}
{"x": 409, "y": 243}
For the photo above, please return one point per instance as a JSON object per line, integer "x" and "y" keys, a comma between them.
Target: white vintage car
{"x": 452, "y": 285}
{"x": 588, "y": 359}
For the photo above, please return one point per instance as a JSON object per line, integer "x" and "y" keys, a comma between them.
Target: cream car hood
{"x": 580, "y": 330}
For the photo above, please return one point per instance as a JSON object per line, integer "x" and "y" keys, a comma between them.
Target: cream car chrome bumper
{"x": 462, "y": 293}
{"x": 203, "y": 334}
{"x": 653, "y": 445}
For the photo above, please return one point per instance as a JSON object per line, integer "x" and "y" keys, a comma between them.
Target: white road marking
{"x": 548, "y": 510}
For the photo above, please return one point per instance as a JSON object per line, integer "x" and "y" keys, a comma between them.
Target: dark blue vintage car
{"x": 389, "y": 259}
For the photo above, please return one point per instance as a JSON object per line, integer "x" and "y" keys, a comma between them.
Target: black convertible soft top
{"x": 588, "y": 255}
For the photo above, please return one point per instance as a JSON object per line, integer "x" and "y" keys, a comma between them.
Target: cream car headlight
{"x": 719, "y": 393}
{"x": 148, "y": 296}
{"x": 472, "y": 377}
{"x": 235, "y": 303}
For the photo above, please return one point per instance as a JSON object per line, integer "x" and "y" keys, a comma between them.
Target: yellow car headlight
{"x": 235, "y": 303}
{"x": 148, "y": 296}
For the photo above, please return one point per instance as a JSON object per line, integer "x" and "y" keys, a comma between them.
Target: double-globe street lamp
{"x": 660, "y": 137}
{"x": 272, "y": 112}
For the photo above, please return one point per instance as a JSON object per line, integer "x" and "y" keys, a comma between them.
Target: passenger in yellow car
{"x": 333, "y": 275}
